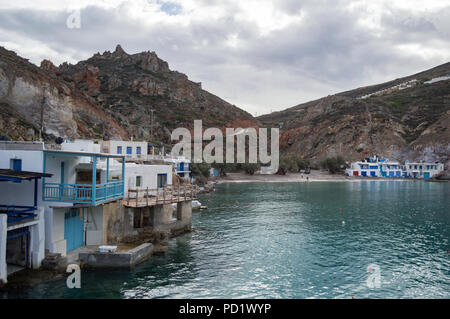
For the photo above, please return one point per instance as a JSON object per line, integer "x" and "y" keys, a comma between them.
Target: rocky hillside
{"x": 112, "y": 94}
{"x": 408, "y": 118}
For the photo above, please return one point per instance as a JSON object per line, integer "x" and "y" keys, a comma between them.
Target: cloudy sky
{"x": 260, "y": 55}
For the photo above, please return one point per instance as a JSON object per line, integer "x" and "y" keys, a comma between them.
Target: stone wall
{"x": 125, "y": 224}
{"x": 117, "y": 222}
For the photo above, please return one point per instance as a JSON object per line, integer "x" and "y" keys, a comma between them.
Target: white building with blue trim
{"x": 22, "y": 223}
{"x": 383, "y": 167}
{"x": 181, "y": 164}
{"x": 423, "y": 170}
{"x": 132, "y": 150}
{"x": 82, "y": 191}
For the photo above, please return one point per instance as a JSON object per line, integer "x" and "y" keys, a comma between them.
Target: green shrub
{"x": 333, "y": 164}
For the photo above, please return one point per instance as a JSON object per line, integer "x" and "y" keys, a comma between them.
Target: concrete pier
{"x": 125, "y": 259}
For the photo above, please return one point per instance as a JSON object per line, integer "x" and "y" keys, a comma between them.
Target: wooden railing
{"x": 167, "y": 195}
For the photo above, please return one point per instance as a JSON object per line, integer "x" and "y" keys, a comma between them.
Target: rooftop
{"x": 77, "y": 153}
{"x": 10, "y": 174}
{"x": 21, "y": 145}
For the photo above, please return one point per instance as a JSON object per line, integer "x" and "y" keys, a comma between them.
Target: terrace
{"x": 15, "y": 213}
{"x": 93, "y": 193}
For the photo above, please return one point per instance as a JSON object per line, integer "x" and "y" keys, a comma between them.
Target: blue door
{"x": 181, "y": 166}
{"x": 372, "y": 174}
{"x": 73, "y": 229}
{"x": 426, "y": 175}
{"x": 17, "y": 164}
{"x": 363, "y": 173}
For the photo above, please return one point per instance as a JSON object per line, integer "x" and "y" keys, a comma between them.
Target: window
{"x": 119, "y": 149}
{"x": 16, "y": 164}
{"x": 138, "y": 150}
{"x": 138, "y": 181}
{"x": 129, "y": 150}
{"x": 162, "y": 180}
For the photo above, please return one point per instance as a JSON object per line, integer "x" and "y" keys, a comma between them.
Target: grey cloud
{"x": 327, "y": 51}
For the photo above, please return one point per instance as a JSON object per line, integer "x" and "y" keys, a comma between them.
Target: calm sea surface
{"x": 295, "y": 240}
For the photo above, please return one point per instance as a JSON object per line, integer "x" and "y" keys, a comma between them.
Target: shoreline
{"x": 314, "y": 176}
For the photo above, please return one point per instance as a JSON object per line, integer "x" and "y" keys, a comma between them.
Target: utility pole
{"x": 42, "y": 118}
{"x": 151, "y": 123}
{"x": 44, "y": 101}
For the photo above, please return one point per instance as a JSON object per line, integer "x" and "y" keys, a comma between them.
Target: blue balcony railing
{"x": 18, "y": 213}
{"x": 82, "y": 193}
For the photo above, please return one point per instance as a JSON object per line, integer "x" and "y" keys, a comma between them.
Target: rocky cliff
{"x": 408, "y": 118}
{"x": 112, "y": 94}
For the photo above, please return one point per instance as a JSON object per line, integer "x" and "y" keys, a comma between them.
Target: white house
{"x": 133, "y": 150}
{"x": 74, "y": 195}
{"x": 113, "y": 178}
{"x": 139, "y": 176}
{"x": 378, "y": 167}
{"x": 181, "y": 164}
{"x": 375, "y": 167}
{"x": 423, "y": 170}
{"x": 22, "y": 225}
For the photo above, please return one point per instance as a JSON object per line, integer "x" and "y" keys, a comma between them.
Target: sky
{"x": 260, "y": 55}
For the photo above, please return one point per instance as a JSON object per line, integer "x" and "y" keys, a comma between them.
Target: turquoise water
{"x": 288, "y": 240}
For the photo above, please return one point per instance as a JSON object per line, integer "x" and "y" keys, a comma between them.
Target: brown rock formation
{"x": 109, "y": 94}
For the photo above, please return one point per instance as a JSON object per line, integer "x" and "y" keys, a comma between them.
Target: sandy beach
{"x": 314, "y": 176}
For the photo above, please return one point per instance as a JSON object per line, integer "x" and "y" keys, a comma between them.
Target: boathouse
{"x": 22, "y": 229}
{"x": 83, "y": 200}
{"x": 383, "y": 167}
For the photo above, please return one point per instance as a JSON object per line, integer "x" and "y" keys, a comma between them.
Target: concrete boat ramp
{"x": 120, "y": 259}
{"x": 123, "y": 257}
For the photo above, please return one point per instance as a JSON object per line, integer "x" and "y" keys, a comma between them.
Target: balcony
{"x": 83, "y": 193}
{"x": 88, "y": 193}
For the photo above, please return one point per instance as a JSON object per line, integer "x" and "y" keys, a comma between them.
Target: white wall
{"x": 93, "y": 217}
{"x": 81, "y": 146}
{"x": 149, "y": 175}
{"x": 111, "y": 147}
{"x": 37, "y": 240}
{"x": 53, "y": 166}
{"x": 55, "y": 233}
{"x": 20, "y": 193}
